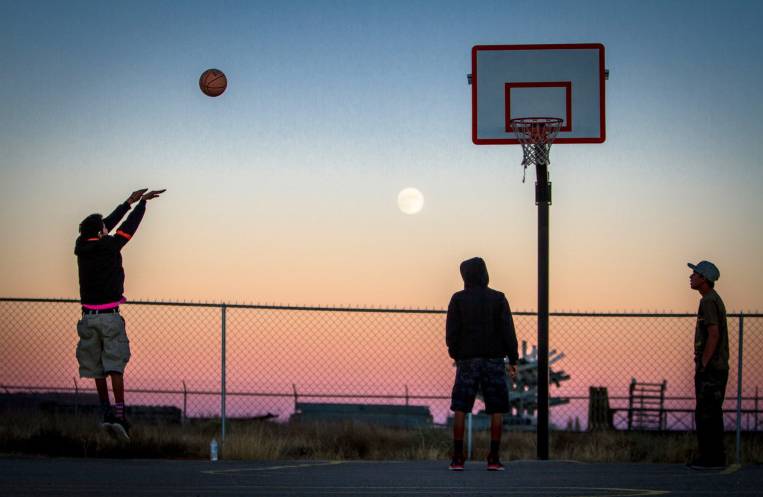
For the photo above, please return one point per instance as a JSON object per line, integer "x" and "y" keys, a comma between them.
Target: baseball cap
{"x": 707, "y": 269}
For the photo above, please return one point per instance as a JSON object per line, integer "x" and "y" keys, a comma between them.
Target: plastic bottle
{"x": 213, "y": 450}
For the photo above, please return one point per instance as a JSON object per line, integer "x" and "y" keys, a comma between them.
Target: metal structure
{"x": 523, "y": 395}
{"x": 646, "y": 405}
{"x": 510, "y": 85}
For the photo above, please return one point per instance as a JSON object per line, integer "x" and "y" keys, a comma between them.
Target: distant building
{"x": 84, "y": 404}
{"x": 393, "y": 416}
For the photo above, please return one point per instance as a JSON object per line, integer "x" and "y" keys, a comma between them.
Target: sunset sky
{"x": 284, "y": 189}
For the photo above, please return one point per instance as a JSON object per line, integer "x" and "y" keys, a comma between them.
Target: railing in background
{"x": 258, "y": 359}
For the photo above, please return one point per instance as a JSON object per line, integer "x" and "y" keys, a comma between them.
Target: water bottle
{"x": 213, "y": 450}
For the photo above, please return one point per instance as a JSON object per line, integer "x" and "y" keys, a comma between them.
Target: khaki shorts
{"x": 103, "y": 346}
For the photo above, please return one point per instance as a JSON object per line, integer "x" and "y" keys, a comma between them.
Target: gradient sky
{"x": 283, "y": 190}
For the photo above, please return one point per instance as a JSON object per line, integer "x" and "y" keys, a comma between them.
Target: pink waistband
{"x": 102, "y": 307}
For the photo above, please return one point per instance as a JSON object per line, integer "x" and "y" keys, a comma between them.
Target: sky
{"x": 284, "y": 189}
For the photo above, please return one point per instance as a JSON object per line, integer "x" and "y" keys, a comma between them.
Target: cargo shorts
{"x": 103, "y": 346}
{"x": 480, "y": 375}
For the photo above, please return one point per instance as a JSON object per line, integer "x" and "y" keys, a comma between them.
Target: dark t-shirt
{"x": 712, "y": 311}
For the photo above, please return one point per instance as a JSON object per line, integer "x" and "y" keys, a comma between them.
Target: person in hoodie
{"x": 480, "y": 335}
{"x": 103, "y": 349}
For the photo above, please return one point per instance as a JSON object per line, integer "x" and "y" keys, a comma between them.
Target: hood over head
{"x": 474, "y": 273}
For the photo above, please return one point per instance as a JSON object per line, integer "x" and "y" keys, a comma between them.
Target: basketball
{"x": 213, "y": 82}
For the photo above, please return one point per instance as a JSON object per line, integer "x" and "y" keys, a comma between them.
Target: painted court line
{"x": 731, "y": 469}
{"x": 273, "y": 468}
{"x": 439, "y": 490}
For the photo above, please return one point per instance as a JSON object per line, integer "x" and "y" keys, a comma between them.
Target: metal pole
{"x": 222, "y": 374}
{"x": 76, "y": 397}
{"x": 185, "y": 404}
{"x": 469, "y": 437}
{"x": 543, "y": 200}
{"x": 739, "y": 392}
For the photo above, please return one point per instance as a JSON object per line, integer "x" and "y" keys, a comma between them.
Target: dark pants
{"x": 710, "y": 390}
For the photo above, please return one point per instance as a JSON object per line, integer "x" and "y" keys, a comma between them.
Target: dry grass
{"x": 65, "y": 435}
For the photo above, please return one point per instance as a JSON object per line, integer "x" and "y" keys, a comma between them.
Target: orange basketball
{"x": 213, "y": 82}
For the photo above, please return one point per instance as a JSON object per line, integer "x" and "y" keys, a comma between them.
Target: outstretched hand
{"x": 153, "y": 194}
{"x": 136, "y": 195}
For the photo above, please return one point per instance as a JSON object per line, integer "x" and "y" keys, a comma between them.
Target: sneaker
{"x": 457, "y": 463}
{"x": 494, "y": 464}
{"x": 116, "y": 427}
{"x": 121, "y": 428}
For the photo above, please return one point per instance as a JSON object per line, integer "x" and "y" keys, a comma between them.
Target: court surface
{"x": 137, "y": 478}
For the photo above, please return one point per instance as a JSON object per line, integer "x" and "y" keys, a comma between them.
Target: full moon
{"x": 410, "y": 201}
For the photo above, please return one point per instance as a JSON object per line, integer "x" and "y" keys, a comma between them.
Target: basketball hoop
{"x": 536, "y": 134}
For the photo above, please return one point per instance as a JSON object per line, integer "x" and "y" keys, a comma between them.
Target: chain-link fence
{"x": 246, "y": 360}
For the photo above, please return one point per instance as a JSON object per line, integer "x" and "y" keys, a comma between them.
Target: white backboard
{"x": 512, "y": 81}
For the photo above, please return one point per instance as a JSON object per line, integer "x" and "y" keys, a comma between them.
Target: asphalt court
{"x": 21, "y": 477}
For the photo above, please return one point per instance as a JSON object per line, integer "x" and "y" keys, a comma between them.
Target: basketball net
{"x": 535, "y": 134}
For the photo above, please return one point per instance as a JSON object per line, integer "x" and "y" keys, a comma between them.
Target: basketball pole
{"x": 543, "y": 201}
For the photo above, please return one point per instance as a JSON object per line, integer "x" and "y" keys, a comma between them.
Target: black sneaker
{"x": 494, "y": 463}
{"x": 457, "y": 463}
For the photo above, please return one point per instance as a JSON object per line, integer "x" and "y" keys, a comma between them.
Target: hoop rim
{"x": 536, "y": 120}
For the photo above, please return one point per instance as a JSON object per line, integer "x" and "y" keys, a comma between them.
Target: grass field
{"x": 67, "y": 435}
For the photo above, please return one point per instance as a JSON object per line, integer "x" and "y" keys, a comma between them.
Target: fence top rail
{"x": 219, "y": 305}
{"x": 21, "y": 389}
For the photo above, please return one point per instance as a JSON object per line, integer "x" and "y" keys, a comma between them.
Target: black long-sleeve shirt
{"x": 101, "y": 275}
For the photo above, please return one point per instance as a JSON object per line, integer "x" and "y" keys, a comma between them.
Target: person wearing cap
{"x": 711, "y": 358}
{"x": 480, "y": 336}
{"x": 103, "y": 349}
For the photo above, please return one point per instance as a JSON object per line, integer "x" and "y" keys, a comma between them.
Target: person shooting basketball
{"x": 103, "y": 349}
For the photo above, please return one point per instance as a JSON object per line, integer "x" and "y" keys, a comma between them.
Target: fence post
{"x": 469, "y": 436}
{"x": 222, "y": 373}
{"x": 184, "y": 419}
{"x": 739, "y": 392}
{"x": 76, "y": 397}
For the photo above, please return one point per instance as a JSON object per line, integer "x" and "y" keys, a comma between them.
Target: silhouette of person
{"x": 711, "y": 359}
{"x": 103, "y": 349}
{"x": 479, "y": 335}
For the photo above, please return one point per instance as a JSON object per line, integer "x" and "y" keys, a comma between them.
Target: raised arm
{"x": 112, "y": 219}
{"x": 128, "y": 228}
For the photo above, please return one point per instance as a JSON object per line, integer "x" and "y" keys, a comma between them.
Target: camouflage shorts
{"x": 480, "y": 375}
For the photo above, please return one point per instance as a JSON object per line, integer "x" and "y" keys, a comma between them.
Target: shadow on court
{"x": 138, "y": 478}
